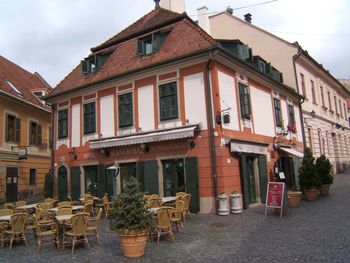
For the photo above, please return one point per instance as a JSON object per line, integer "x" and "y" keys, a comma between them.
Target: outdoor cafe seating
{"x": 15, "y": 229}
{"x": 45, "y": 230}
{"x": 163, "y": 222}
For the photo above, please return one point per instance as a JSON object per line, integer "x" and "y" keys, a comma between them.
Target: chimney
{"x": 248, "y": 18}
{"x": 203, "y": 18}
{"x": 229, "y": 10}
{"x": 178, "y": 6}
{"x": 157, "y": 3}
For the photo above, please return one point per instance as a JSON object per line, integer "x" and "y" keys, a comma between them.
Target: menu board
{"x": 275, "y": 195}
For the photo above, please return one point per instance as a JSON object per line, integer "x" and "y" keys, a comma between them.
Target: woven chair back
{"x": 38, "y": 213}
{"x": 88, "y": 199}
{"x": 17, "y": 222}
{"x": 6, "y": 212}
{"x": 105, "y": 200}
{"x": 44, "y": 207}
{"x": 179, "y": 208}
{"x": 180, "y": 193}
{"x": 186, "y": 198}
{"x": 79, "y": 223}
{"x": 64, "y": 210}
{"x": 64, "y": 203}
{"x": 20, "y": 203}
{"x": 154, "y": 202}
{"x": 163, "y": 216}
{"x": 88, "y": 207}
{"x": 10, "y": 206}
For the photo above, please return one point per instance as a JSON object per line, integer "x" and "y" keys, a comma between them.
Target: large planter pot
{"x": 324, "y": 189}
{"x": 223, "y": 205}
{"x": 236, "y": 207}
{"x": 294, "y": 198}
{"x": 133, "y": 243}
{"x": 311, "y": 194}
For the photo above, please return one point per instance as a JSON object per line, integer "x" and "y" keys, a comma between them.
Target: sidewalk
{"x": 317, "y": 231}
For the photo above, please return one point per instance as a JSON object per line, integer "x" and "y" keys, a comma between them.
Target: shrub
{"x": 324, "y": 167}
{"x": 308, "y": 175}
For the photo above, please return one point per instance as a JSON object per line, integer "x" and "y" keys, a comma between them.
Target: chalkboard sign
{"x": 275, "y": 196}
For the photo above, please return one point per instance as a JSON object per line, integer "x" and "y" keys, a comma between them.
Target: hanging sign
{"x": 275, "y": 195}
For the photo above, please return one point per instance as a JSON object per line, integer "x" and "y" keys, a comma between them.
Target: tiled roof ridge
{"x": 196, "y": 27}
{"x": 16, "y": 66}
{"x": 53, "y": 90}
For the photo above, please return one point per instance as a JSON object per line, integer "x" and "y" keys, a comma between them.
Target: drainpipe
{"x": 295, "y": 57}
{"x": 53, "y": 109}
{"x": 211, "y": 128}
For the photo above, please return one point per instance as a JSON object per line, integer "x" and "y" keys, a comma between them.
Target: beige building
{"x": 324, "y": 111}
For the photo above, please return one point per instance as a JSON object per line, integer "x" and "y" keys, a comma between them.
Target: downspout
{"x": 53, "y": 147}
{"x": 211, "y": 128}
{"x": 295, "y": 57}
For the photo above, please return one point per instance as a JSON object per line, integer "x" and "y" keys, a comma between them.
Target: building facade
{"x": 324, "y": 111}
{"x": 176, "y": 109}
{"x": 25, "y": 123}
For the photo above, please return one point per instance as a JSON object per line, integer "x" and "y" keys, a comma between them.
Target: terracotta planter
{"x": 294, "y": 198}
{"x": 133, "y": 244}
{"x": 324, "y": 189}
{"x": 311, "y": 194}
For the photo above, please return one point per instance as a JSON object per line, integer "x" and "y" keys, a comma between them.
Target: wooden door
{"x": 62, "y": 183}
{"x": 11, "y": 184}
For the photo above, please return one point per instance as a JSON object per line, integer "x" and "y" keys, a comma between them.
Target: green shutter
{"x": 141, "y": 175}
{"x": 262, "y": 165}
{"x": 7, "y": 127}
{"x": 296, "y": 166}
{"x": 244, "y": 181}
{"x": 191, "y": 165}
{"x": 150, "y": 177}
{"x": 62, "y": 183}
{"x": 75, "y": 182}
{"x": 30, "y": 133}
{"x": 39, "y": 135}
{"x": 101, "y": 180}
{"x": 18, "y": 130}
{"x": 110, "y": 174}
{"x": 139, "y": 47}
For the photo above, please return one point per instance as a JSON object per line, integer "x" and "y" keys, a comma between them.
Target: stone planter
{"x": 236, "y": 207}
{"x": 133, "y": 244}
{"x": 311, "y": 194}
{"x": 324, "y": 189}
{"x": 223, "y": 205}
{"x": 294, "y": 198}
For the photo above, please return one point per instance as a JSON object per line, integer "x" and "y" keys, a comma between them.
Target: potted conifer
{"x": 309, "y": 179}
{"x": 131, "y": 220}
{"x": 324, "y": 168}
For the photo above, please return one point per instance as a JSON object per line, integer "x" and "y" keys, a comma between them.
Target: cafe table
{"x": 168, "y": 199}
{"x": 5, "y": 218}
{"x": 74, "y": 208}
{"x": 27, "y": 207}
{"x": 61, "y": 221}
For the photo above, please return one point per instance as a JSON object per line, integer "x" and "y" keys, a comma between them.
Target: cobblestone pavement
{"x": 318, "y": 231}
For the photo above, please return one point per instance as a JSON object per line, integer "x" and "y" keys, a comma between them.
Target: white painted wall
{"x": 107, "y": 117}
{"x": 146, "y": 108}
{"x": 262, "y": 112}
{"x": 227, "y": 89}
{"x": 76, "y": 125}
{"x": 195, "y": 110}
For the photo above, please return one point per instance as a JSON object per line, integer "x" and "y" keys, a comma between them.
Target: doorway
{"x": 173, "y": 176}
{"x": 91, "y": 181}
{"x": 62, "y": 183}
{"x": 251, "y": 180}
{"x": 11, "y": 184}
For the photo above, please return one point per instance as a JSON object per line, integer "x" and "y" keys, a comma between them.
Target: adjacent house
{"x": 166, "y": 103}
{"x": 25, "y": 125}
{"x": 324, "y": 110}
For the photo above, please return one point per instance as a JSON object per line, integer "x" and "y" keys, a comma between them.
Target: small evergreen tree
{"x": 48, "y": 185}
{"x": 128, "y": 211}
{"x": 324, "y": 167}
{"x": 308, "y": 175}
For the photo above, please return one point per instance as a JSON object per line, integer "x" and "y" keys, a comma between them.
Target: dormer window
{"x": 151, "y": 43}
{"x": 94, "y": 63}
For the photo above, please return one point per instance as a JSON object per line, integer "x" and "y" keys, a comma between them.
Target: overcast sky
{"x": 52, "y": 36}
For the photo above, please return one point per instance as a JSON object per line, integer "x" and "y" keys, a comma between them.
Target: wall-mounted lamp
{"x": 144, "y": 147}
{"x": 104, "y": 151}
{"x": 223, "y": 117}
{"x": 72, "y": 154}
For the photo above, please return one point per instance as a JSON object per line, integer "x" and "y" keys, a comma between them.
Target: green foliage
{"x": 48, "y": 186}
{"x": 324, "y": 167}
{"x": 308, "y": 175}
{"x": 128, "y": 211}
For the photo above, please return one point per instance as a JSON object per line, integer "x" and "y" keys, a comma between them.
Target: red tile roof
{"x": 24, "y": 82}
{"x": 184, "y": 39}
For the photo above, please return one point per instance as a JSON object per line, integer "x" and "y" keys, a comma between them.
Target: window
{"x": 278, "y": 113}
{"x": 168, "y": 108}
{"x": 50, "y": 137}
{"x": 322, "y": 97}
{"x": 94, "y": 63}
{"x": 32, "y": 176}
{"x": 340, "y": 109}
{"x": 89, "y": 118}
{"x": 151, "y": 43}
{"x": 319, "y": 141}
{"x": 63, "y": 124}
{"x": 302, "y": 80}
{"x": 335, "y": 105}
{"x": 125, "y": 111}
{"x": 34, "y": 134}
{"x": 13, "y": 129}
{"x": 328, "y": 146}
{"x": 244, "y": 101}
{"x": 309, "y": 132}
{"x": 329, "y": 100}
{"x": 313, "y": 91}
{"x": 291, "y": 124}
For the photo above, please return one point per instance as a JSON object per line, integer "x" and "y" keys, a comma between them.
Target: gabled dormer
{"x": 94, "y": 62}
{"x": 151, "y": 43}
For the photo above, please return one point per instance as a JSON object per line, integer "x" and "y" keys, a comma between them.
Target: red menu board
{"x": 275, "y": 191}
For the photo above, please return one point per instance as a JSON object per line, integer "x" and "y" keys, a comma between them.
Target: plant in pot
{"x": 309, "y": 179}
{"x": 324, "y": 167}
{"x": 294, "y": 196}
{"x": 236, "y": 207}
{"x": 131, "y": 220}
{"x": 223, "y": 204}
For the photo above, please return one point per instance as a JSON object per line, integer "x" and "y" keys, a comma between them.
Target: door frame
{"x": 15, "y": 195}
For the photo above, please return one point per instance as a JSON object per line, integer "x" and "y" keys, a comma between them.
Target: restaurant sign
{"x": 275, "y": 196}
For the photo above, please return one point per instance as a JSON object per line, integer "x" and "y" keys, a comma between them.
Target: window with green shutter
{"x": 244, "y": 101}
{"x": 168, "y": 105}
{"x": 291, "y": 115}
{"x": 125, "y": 110}
{"x": 90, "y": 117}
{"x": 62, "y": 124}
{"x": 151, "y": 43}
{"x": 278, "y": 113}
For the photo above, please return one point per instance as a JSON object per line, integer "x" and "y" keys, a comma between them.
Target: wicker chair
{"x": 88, "y": 207}
{"x": 64, "y": 210}
{"x": 186, "y": 198}
{"x": 44, "y": 210}
{"x": 78, "y": 232}
{"x": 6, "y": 212}
{"x": 177, "y": 214}
{"x": 154, "y": 202}
{"x": 106, "y": 205}
{"x": 64, "y": 203}
{"x": 180, "y": 193}
{"x": 16, "y": 229}
{"x": 45, "y": 230}
{"x": 163, "y": 226}
{"x": 10, "y": 206}
{"x": 93, "y": 226}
